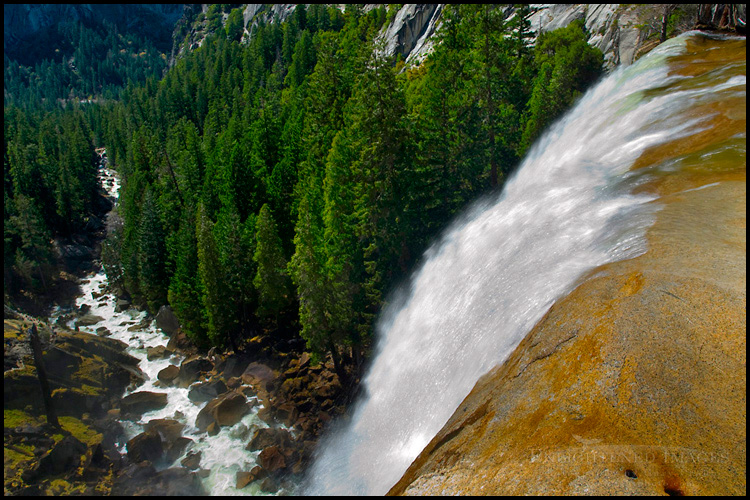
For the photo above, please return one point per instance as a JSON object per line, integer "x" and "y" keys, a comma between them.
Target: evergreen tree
{"x": 271, "y": 280}
{"x": 215, "y": 300}
{"x": 185, "y": 287}
{"x": 151, "y": 253}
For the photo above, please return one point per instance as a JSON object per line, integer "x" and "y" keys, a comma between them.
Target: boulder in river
{"x": 192, "y": 367}
{"x": 226, "y": 410}
{"x": 169, "y": 374}
{"x": 135, "y": 404}
{"x": 206, "y": 391}
{"x": 145, "y": 446}
{"x": 243, "y": 478}
{"x": 88, "y": 320}
{"x": 157, "y": 352}
{"x": 167, "y": 321}
{"x": 272, "y": 459}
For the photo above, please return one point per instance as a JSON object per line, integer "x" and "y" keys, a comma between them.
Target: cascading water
{"x": 498, "y": 269}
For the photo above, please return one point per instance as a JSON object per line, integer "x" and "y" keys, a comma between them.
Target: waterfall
{"x": 496, "y": 271}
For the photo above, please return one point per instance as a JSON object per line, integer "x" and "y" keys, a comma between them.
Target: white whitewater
{"x": 499, "y": 268}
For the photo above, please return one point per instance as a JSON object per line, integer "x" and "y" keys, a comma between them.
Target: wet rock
{"x": 192, "y": 461}
{"x": 157, "y": 352}
{"x": 145, "y": 446}
{"x": 631, "y": 371}
{"x": 89, "y": 319}
{"x": 176, "y": 449}
{"x": 268, "y": 436}
{"x": 122, "y": 305}
{"x": 169, "y": 430}
{"x": 206, "y": 391}
{"x": 231, "y": 409}
{"x": 227, "y": 409}
{"x": 272, "y": 459}
{"x": 244, "y": 478}
{"x": 167, "y": 321}
{"x": 135, "y": 404}
{"x": 192, "y": 368}
{"x": 103, "y": 331}
{"x": 168, "y": 374}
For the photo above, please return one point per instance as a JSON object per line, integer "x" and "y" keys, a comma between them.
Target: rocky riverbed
{"x": 143, "y": 411}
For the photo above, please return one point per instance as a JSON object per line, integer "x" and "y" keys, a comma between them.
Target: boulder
{"x": 122, "y": 305}
{"x": 135, "y": 404}
{"x": 231, "y": 409}
{"x": 268, "y": 436}
{"x": 286, "y": 414}
{"x": 168, "y": 374}
{"x": 192, "y": 368}
{"x": 169, "y": 430}
{"x": 244, "y": 478}
{"x": 65, "y": 456}
{"x": 145, "y": 446}
{"x": 103, "y": 331}
{"x": 167, "y": 321}
{"x": 206, "y": 391}
{"x": 177, "y": 448}
{"x": 272, "y": 459}
{"x": 192, "y": 460}
{"x": 258, "y": 375}
{"x": 157, "y": 352}
{"x": 232, "y": 365}
{"x": 88, "y": 320}
{"x": 227, "y": 409}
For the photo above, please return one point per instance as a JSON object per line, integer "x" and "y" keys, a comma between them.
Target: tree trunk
{"x": 36, "y": 347}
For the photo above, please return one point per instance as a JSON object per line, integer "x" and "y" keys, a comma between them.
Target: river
{"x": 222, "y": 455}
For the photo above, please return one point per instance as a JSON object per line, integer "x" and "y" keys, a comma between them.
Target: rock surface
{"x": 635, "y": 383}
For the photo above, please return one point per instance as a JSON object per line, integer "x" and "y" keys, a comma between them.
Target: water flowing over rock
{"x": 576, "y": 203}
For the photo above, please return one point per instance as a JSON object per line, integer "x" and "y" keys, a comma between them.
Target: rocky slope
{"x": 87, "y": 374}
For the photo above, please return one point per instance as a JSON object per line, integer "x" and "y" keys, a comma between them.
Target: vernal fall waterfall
{"x": 574, "y": 204}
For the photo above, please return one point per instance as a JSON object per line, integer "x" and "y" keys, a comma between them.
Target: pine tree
{"x": 151, "y": 253}
{"x": 271, "y": 280}
{"x": 214, "y": 298}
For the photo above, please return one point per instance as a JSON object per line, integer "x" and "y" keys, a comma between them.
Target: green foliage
{"x": 271, "y": 280}
{"x": 308, "y": 142}
{"x": 568, "y": 65}
{"x": 235, "y": 25}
